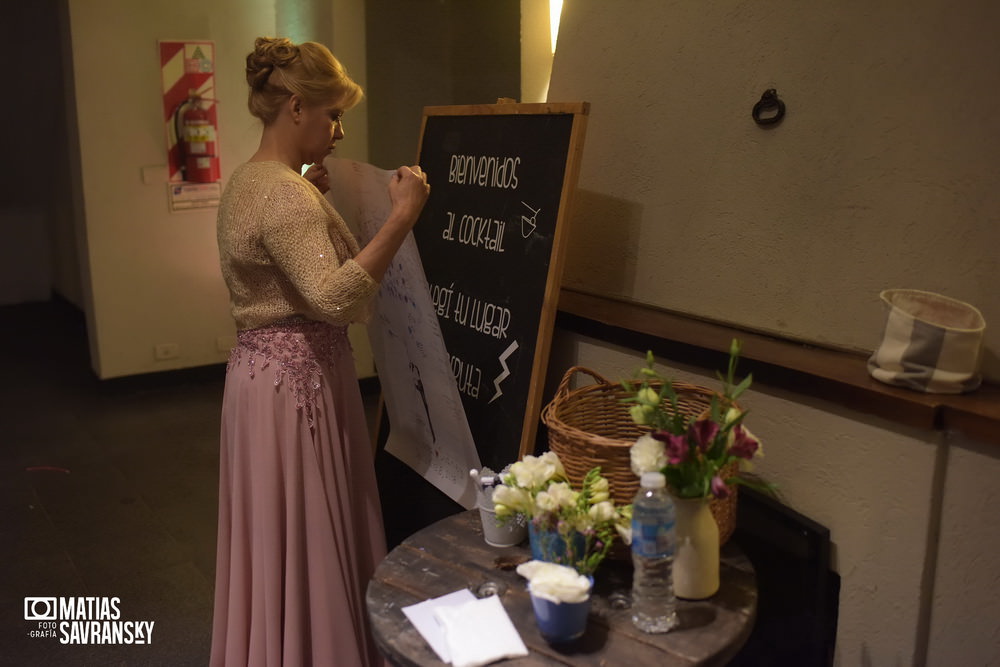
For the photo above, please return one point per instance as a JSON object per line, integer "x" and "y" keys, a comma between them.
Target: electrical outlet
{"x": 164, "y": 351}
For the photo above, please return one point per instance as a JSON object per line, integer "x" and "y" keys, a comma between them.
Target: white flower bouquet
{"x": 587, "y": 520}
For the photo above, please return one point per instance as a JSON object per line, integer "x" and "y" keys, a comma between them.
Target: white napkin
{"x": 423, "y": 619}
{"x": 479, "y": 632}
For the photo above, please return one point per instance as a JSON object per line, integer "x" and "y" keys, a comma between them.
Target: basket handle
{"x": 564, "y": 385}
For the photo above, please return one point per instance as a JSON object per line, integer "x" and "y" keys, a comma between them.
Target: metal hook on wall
{"x": 770, "y": 109}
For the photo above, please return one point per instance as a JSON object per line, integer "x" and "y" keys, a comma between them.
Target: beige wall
{"x": 883, "y": 174}
{"x": 151, "y": 276}
{"x": 435, "y": 52}
{"x": 536, "y": 50}
{"x": 966, "y": 606}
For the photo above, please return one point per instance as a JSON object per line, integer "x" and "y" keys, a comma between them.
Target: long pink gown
{"x": 300, "y": 525}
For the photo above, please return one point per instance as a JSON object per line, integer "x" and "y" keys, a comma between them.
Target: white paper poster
{"x": 428, "y": 428}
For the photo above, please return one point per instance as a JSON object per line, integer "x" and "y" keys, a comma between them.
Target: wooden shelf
{"x": 834, "y": 375}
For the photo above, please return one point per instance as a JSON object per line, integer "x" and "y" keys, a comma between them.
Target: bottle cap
{"x": 653, "y": 480}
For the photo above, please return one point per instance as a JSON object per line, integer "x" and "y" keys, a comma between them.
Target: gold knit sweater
{"x": 286, "y": 252}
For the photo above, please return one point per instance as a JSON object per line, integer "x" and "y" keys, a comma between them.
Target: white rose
{"x": 556, "y": 497}
{"x": 601, "y": 512}
{"x": 532, "y": 472}
{"x": 508, "y": 500}
{"x": 554, "y": 582}
{"x": 552, "y": 459}
{"x": 546, "y": 503}
{"x": 647, "y": 455}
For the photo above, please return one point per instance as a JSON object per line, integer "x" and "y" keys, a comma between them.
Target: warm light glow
{"x": 555, "y": 11}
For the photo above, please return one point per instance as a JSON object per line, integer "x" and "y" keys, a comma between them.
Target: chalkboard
{"x": 491, "y": 240}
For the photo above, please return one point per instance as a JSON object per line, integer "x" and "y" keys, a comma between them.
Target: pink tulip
{"x": 719, "y": 487}
{"x": 744, "y": 443}
{"x": 676, "y": 449}
{"x": 703, "y": 432}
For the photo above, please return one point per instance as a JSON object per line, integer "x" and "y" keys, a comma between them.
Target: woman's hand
{"x": 318, "y": 176}
{"x": 408, "y": 191}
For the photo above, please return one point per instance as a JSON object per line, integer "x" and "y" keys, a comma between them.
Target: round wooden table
{"x": 451, "y": 554}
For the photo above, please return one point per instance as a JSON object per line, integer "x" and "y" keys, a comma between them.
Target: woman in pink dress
{"x": 300, "y": 525}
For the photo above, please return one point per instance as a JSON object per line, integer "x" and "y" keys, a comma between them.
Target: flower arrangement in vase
{"x": 692, "y": 452}
{"x": 700, "y": 457}
{"x": 574, "y": 527}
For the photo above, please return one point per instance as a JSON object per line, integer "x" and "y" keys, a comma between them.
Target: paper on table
{"x": 422, "y": 617}
{"x": 479, "y": 632}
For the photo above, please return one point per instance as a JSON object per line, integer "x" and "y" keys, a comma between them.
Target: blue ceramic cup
{"x": 560, "y": 622}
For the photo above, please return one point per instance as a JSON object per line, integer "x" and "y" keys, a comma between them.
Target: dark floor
{"x": 108, "y": 489}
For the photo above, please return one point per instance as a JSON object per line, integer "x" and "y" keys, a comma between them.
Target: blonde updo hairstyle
{"x": 278, "y": 69}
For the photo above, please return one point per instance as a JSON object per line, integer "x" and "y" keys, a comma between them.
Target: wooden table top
{"x": 451, "y": 554}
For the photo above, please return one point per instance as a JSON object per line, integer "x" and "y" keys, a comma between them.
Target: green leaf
{"x": 764, "y": 487}
{"x": 743, "y": 386}
{"x": 718, "y": 445}
{"x": 716, "y": 411}
{"x": 668, "y": 391}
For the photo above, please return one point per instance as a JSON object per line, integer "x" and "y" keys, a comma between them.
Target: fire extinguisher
{"x": 196, "y": 140}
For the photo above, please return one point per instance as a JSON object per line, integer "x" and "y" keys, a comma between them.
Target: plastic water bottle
{"x": 654, "y": 607}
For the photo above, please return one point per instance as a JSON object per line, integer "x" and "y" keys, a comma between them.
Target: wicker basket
{"x": 591, "y": 426}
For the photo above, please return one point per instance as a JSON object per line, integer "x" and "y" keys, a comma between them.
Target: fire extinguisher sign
{"x": 190, "y": 121}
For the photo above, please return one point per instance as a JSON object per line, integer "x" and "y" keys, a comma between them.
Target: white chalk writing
{"x": 467, "y": 377}
{"x": 476, "y": 231}
{"x": 487, "y": 171}
{"x": 468, "y": 311}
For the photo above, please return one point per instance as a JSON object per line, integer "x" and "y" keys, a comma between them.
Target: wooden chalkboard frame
{"x": 550, "y": 297}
